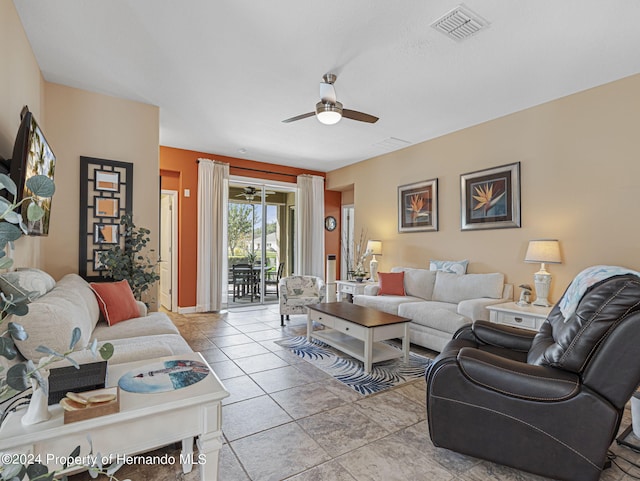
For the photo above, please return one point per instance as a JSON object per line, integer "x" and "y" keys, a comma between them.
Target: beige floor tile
{"x": 307, "y": 400}
{"x": 278, "y": 453}
{"x": 391, "y": 410}
{"x": 240, "y": 389}
{"x": 244, "y": 350}
{"x": 279, "y": 379}
{"x": 331, "y": 471}
{"x": 390, "y": 459}
{"x": 260, "y": 362}
{"x": 342, "y": 429}
{"x": 252, "y": 416}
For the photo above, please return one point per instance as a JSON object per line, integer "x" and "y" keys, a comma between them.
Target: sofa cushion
{"x": 418, "y": 282}
{"x": 455, "y": 288}
{"x": 387, "y": 304}
{"x": 455, "y": 267}
{"x": 116, "y": 301}
{"x": 391, "y": 283}
{"x": 437, "y": 315}
{"x": 30, "y": 283}
{"x": 52, "y": 317}
{"x": 137, "y": 349}
{"x": 154, "y": 324}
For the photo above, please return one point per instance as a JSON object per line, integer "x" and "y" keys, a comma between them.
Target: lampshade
{"x": 543, "y": 250}
{"x": 329, "y": 113}
{"x": 374, "y": 247}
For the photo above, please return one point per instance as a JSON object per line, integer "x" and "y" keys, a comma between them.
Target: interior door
{"x": 166, "y": 250}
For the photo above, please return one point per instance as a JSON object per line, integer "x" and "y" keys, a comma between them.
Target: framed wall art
{"x": 106, "y": 234}
{"x": 107, "y": 181}
{"x": 107, "y": 207}
{"x": 418, "y": 206}
{"x": 106, "y": 193}
{"x": 490, "y": 198}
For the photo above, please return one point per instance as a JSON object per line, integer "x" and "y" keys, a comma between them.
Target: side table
{"x": 348, "y": 289}
{"x": 512, "y": 314}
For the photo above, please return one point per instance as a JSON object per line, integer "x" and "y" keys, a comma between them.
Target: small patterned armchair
{"x": 297, "y": 292}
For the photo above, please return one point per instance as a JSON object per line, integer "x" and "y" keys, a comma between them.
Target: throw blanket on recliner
{"x": 584, "y": 280}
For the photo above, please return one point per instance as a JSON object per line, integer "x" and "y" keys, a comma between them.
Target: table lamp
{"x": 374, "y": 247}
{"x": 545, "y": 251}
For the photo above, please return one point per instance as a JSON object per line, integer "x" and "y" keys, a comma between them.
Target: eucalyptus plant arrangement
{"x": 135, "y": 261}
{"x": 20, "y": 375}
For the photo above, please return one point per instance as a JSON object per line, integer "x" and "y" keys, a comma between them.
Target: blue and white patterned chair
{"x": 297, "y": 292}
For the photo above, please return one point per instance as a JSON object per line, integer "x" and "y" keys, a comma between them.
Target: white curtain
{"x": 310, "y": 222}
{"x": 213, "y": 188}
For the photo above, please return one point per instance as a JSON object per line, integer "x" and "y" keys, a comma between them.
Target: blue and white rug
{"x": 350, "y": 371}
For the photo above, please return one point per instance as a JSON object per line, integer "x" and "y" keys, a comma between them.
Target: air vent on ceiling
{"x": 460, "y": 23}
{"x": 392, "y": 143}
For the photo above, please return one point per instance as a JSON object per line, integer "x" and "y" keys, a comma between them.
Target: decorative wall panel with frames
{"x": 106, "y": 193}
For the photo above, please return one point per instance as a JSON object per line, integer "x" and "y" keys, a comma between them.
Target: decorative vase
{"x": 38, "y": 410}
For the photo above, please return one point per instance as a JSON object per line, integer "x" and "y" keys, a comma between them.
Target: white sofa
{"x": 439, "y": 303}
{"x": 71, "y": 303}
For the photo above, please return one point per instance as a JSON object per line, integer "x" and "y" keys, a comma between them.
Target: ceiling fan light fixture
{"x": 328, "y": 113}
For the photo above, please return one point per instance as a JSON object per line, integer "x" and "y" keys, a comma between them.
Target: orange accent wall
{"x": 179, "y": 171}
{"x": 332, "y": 206}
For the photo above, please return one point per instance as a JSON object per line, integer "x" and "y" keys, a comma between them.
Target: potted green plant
{"x": 134, "y": 262}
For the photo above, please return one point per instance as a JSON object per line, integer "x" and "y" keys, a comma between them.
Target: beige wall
{"x": 81, "y": 123}
{"x": 580, "y": 168}
{"x": 20, "y": 84}
{"x": 76, "y": 123}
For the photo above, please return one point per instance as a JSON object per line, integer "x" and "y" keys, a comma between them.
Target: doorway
{"x": 169, "y": 249}
{"x": 259, "y": 240}
{"x": 347, "y": 241}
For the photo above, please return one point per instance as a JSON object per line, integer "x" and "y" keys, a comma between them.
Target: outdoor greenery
{"x": 134, "y": 263}
{"x": 18, "y": 377}
{"x": 242, "y": 231}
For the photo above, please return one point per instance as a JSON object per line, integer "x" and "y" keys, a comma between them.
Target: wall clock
{"x": 330, "y": 223}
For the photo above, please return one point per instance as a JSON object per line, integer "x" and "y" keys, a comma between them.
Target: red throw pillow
{"x": 391, "y": 284}
{"x": 116, "y": 301}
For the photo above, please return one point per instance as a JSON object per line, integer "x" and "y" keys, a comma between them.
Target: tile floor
{"x": 286, "y": 419}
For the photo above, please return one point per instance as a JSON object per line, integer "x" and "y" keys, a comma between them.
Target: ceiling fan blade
{"x": 327, "y": 93}
{"x": 299, "y": 117}
{"x": 361, "y": 116}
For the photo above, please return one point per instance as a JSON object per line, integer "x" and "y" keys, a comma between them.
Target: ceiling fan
{"x": 329, "y": 111}
{"x": 250, "y": 192}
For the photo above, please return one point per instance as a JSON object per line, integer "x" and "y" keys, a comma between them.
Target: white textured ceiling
{"x": 225, "y": 73}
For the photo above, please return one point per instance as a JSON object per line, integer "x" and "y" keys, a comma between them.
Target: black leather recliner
{"x": 549, "y": 402}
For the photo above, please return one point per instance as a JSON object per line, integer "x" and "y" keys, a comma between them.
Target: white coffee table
{"x": 145, "y": 422}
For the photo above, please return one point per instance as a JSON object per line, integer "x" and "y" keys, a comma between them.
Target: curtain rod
{"x": 260, "y": 170}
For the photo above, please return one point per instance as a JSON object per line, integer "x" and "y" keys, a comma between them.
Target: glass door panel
{"x": 259, "y": 241}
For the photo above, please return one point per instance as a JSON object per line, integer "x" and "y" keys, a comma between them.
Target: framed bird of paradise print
{"x": 418, "y": 206}
{"x": 490, "y": 198}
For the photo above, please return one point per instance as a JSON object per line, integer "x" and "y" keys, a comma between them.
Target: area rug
{"x": 350, "y": 371}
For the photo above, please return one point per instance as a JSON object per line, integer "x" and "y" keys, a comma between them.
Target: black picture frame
{"x": 97, "y": 265}
{"x": 106, "y": 233}
{"x": 106, "y": 207}
{"x": 108, "y": 181}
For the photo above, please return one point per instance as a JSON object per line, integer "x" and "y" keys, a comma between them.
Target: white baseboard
{"x": 187, "y": 310}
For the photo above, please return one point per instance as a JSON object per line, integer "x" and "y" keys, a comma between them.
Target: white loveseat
{"x": 71, "y": 303}
{"x": 439, "y": 303}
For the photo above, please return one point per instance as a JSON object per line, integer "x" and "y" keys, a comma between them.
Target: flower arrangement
{"x": 355, "y": 257}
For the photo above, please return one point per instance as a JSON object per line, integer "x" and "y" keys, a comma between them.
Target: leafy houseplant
{"x": 23, "y": 375}
{"x": 134, "y": 262}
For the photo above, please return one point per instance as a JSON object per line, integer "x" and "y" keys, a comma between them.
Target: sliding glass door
{"x": 259, "y": 240}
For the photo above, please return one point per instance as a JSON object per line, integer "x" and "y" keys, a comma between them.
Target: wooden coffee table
{"x": 358, "y": 330}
